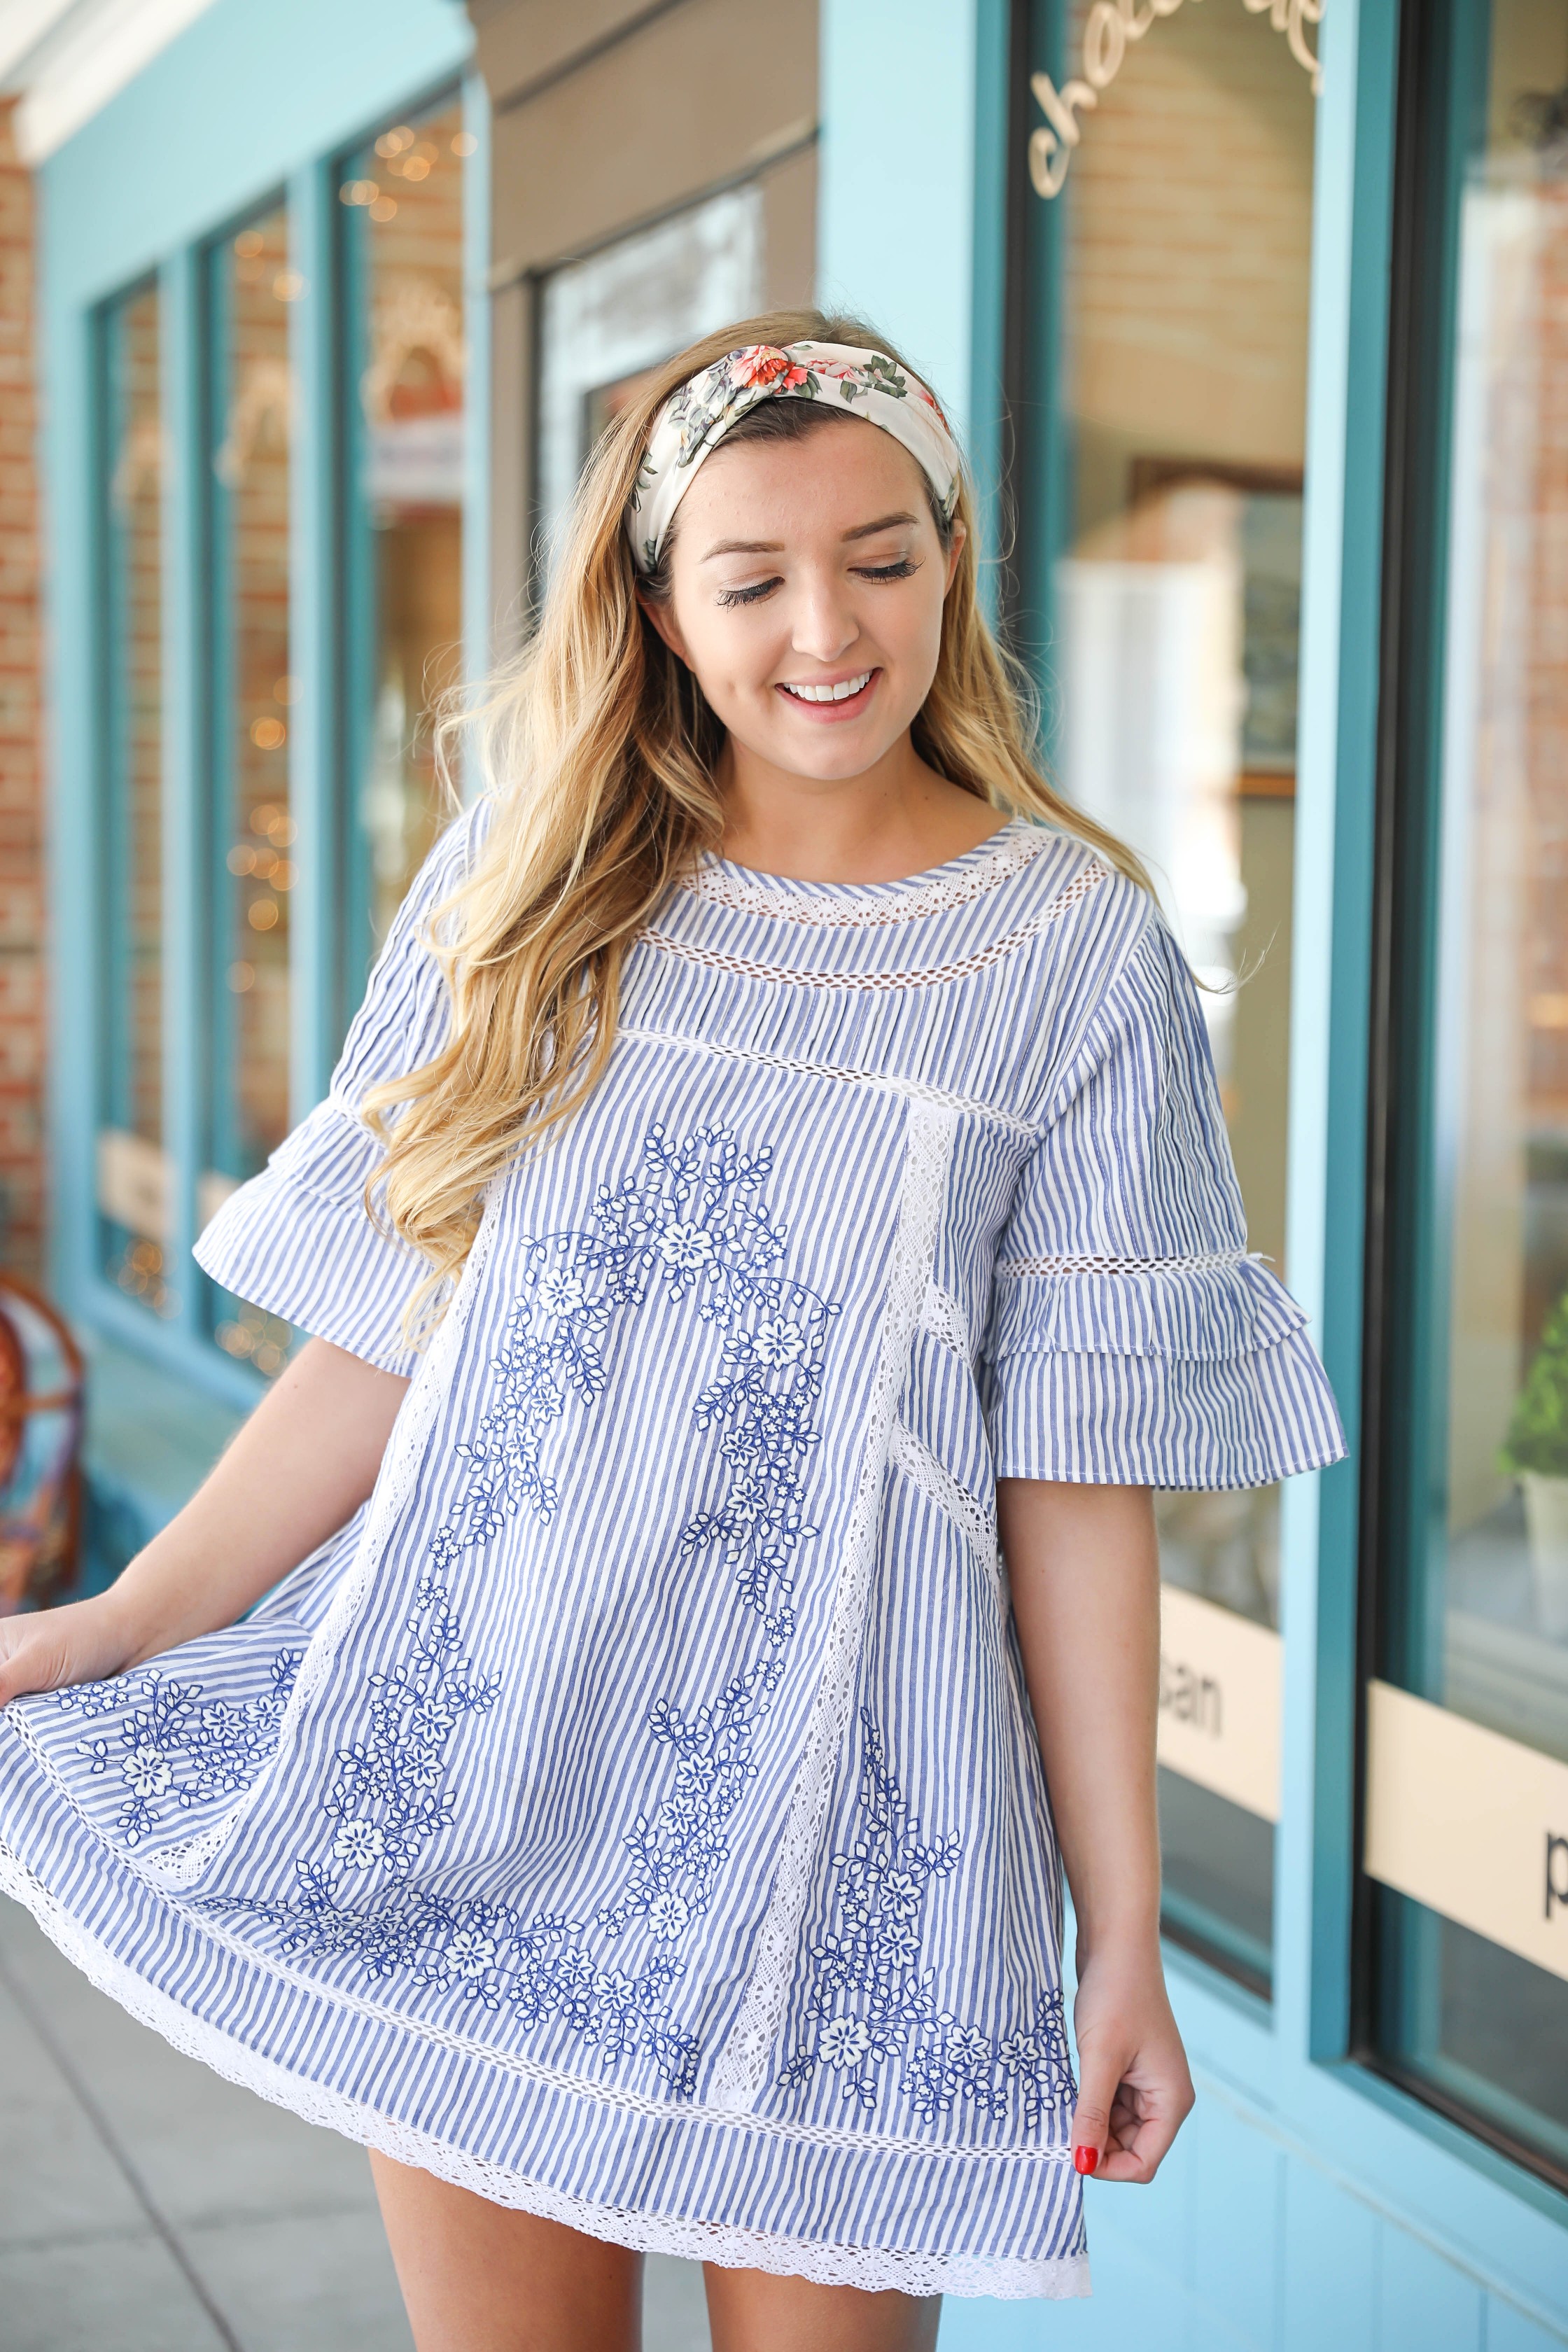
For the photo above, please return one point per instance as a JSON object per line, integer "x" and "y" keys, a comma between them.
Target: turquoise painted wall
{"x": 1307, "y": 2204}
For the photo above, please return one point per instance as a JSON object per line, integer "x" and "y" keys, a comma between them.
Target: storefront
{"x": 1248, "y": 310}
{"x": 1254, "y": 310}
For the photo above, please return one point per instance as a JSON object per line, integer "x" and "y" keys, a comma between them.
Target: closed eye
{"x": 747, "y": 595}
{"x": 903, "y": 570}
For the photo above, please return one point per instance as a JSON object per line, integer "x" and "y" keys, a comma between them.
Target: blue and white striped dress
{"x": 634, "y": 1814}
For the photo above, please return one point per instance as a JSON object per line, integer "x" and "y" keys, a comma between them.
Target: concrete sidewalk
{"x": 148, "y": 2206}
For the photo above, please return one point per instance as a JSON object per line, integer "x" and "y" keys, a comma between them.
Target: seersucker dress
{"x": 635, "y": 1814}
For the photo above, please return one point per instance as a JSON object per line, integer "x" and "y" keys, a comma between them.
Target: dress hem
{"x": 870, "y": 2268}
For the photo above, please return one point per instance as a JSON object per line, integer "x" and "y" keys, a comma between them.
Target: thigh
{"x": 480, "y": 2277}
{"x": 751, "y": 2311}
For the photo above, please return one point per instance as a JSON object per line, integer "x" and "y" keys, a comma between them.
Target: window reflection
{"x": 252, "y": 285}
{"x": 134, "y": 1189}
{"x": 1185, "y": 227}
{"x": 255, "y": 285}
{"x": 1483, "y": 1626}
{"x": 402, "y": 203}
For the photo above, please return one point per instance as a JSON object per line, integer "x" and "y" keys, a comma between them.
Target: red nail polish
{"x": 1086, "y": 2159}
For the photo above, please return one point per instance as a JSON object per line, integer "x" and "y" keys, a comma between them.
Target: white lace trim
{"x": 945, "y": 1319}
{"x": 180, "y": 1865}
{"x": 1015, "y": 846}
{"x": 744, "y": 2063}
{"x": 910, "y": 1090}
{"x": 1086, "y": 880}
{"x": 733, "y": 2248}
{"x": 937, "y": 1482}
{"x": 1028, "y": 1266}
{"x": 510, "y": 2062}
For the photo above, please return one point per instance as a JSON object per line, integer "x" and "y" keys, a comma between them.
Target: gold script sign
{"x": 1108, "y": 28}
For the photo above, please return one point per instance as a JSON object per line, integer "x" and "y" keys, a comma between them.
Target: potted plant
{"x": 1536, "y": 1451}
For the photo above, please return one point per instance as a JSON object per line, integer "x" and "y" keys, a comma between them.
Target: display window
{"x": 132, "y": 1166}
{"x": 406, "y": 419}
{"x": 255, "y": 843}
{"x": 1158, "y": 598}
{"x": 1464, "y": 1921}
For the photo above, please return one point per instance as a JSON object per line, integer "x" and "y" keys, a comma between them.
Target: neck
{"x": 893, "y": 819}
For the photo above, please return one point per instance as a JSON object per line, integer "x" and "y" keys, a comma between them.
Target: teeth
{"x": 840, "y": 693}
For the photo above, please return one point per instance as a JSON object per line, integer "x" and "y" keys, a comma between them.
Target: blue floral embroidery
{"x": 173, "y": 1748}
{"x": 873, "y": 2002}
{"x": 693, "y": 1222}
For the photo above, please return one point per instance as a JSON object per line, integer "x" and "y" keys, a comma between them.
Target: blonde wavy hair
{"x": 597, "y": 751}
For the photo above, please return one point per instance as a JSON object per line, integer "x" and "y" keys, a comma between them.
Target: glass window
{"x": 1466, "y": 1831}
{"x": 133, "y": 1172}
{"x": 607, "y": 321}
{"x": 402, "y": 200}
{"x": 1175, "y": 207}
{"x": 251, "y": 284}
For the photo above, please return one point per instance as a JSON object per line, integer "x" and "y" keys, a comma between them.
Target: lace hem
{"x": 1015, "y": 847}
{"x": 873, "y": 2268}
{"x": 744, "y": 2062}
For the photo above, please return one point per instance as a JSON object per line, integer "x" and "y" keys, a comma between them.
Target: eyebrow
{"x": 775, "y": 546}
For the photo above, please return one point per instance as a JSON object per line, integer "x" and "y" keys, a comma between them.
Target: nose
{"x": 825, "y": 626}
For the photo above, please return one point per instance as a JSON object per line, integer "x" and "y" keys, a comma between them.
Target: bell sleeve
{"x": 1132, "y": 1340}
{"x": 298, "y": 1239}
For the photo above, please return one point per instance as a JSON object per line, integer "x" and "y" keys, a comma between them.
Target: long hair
{"x": 597, "y": 750}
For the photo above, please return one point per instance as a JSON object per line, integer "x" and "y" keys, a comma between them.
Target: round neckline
{"x": 711, "y": 861}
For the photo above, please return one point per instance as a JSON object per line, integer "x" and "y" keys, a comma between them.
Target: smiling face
{"x": 807, "y": 586}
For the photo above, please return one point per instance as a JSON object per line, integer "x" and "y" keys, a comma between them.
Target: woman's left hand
{"x": 1134, "y": 2089}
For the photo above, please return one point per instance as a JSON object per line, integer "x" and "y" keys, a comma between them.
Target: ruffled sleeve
{"x": 297, "y": 1240}
{"x": 1133, "y": 1340}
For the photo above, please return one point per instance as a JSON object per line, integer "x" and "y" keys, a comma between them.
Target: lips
{"x": 834, "y": 697}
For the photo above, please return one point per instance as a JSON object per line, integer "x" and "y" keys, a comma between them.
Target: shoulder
{"x": 1096, "y": 928}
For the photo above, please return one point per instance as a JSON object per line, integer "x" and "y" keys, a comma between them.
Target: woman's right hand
{"x": 79, "y": 1641}
{"x": 295, "y": 1472}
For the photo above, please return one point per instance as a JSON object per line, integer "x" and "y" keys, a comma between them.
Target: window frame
{"x": 1442, "y": 91}
{"x": 321, "y": 779}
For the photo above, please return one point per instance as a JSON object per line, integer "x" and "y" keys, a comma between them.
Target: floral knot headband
{"x": 696, "y": 417}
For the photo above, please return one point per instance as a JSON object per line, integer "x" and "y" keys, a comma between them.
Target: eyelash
{"x": 900, "y": 571}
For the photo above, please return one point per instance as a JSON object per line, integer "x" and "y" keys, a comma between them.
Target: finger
{"x": 1099, "y": 2078}
{"x": 1140, "y": 2139}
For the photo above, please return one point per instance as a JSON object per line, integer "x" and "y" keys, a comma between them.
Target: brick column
{"x": 22, "y": 1032}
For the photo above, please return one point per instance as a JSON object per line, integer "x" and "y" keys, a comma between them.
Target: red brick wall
{"x": 21, "y": 781}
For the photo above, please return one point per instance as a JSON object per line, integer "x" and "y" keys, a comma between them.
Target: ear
{"x": 662, "y": 615}
{"x": 954, "y": 551}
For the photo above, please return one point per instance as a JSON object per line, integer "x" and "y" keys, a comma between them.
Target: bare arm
{"x": 301, "y": 1464}
{"x": 1084, "y": 1568}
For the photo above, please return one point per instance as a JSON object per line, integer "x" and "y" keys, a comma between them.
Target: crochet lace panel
{"x": 841, "y": 1074}
{"x": 937, "y": 1482}
{"x": 746, "y": 2059}
{"x": 871, "y": 2267}
{"x": 180, "y": 1865}
{"x": 945, "y": 1319}
{"x": 1088, "y": 877}
{"x": 1045, "y": 1266}
{"x": 1015, "y": 849}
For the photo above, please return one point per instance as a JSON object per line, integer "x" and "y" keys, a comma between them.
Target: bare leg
{"x": 480, "y": 2277}
{"x": 751, "y": 2311}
